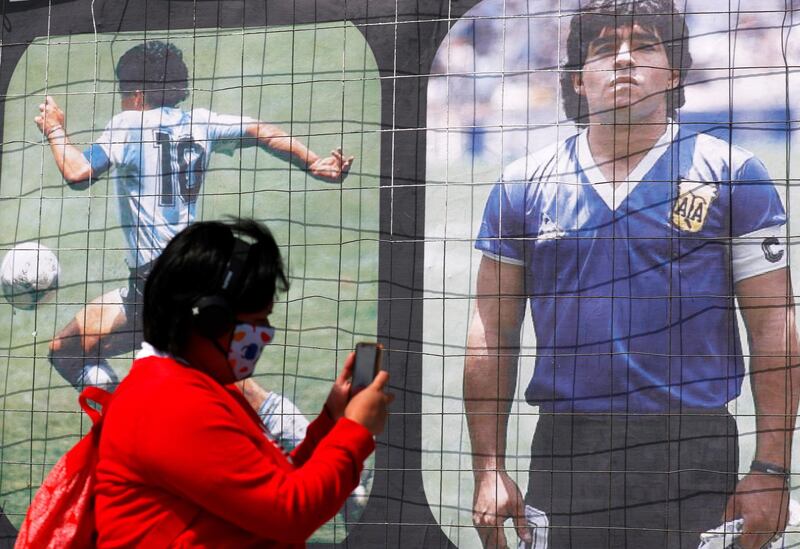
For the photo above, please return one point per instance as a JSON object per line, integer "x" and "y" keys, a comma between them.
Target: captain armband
{"x": 759, "y": 252}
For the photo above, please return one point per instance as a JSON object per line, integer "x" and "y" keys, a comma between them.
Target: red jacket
{"x": 177, "y": 445}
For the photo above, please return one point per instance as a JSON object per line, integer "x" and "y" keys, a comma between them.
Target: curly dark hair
{"x": 660, "y": 16}
{"x": 157, "y": 69}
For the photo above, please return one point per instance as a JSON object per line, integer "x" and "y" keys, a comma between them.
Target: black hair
{"x": 157, "y": 69}
{"x": 589, "y": 22}
{"x": 192, "y": 266}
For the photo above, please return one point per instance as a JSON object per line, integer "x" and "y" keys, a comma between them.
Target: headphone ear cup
{"x": 212, "y": 315}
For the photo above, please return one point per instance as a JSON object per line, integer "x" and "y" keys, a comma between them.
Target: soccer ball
{"x": 29, "y": 274}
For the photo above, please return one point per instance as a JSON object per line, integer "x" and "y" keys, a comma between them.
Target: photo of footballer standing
{"x": 630, "y": 240}
{"x": 612, "y": 179}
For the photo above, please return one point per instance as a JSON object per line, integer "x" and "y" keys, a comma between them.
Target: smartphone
{"x": 368, "y": 363}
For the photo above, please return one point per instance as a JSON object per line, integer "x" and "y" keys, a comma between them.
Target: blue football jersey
{"x": 631, "y": 286}
{"x": 158, "y": 160}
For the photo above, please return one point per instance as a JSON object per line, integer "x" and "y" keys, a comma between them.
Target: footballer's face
{"x": 132, "y": 101}
{"x": 626, "y": 75}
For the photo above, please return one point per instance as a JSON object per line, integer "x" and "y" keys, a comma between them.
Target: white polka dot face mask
{"x": 246, "y": 345}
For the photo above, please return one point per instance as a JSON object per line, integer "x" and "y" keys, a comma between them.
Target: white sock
{"x": 283, "y": 420}
{"x": 98, "y": 375}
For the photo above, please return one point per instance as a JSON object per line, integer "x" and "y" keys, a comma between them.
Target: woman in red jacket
{"x": 184, "y": 459}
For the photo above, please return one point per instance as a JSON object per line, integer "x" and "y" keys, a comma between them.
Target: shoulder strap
{"x": 98, "y": 396}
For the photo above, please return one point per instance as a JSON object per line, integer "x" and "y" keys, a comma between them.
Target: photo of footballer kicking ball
{"x": 147, "y": 115}
{"x": 156, "y": 155}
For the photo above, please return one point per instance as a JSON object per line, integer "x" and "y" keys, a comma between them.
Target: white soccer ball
{"x": 29, "y": 274}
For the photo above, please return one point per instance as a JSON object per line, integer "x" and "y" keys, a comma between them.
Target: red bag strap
{"x": 96, "y": 395}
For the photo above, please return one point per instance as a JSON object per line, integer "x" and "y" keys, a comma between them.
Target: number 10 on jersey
{"x": 181, "y": 168}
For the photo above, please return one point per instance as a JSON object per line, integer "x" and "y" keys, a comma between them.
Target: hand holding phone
{"x": 369, "y": 407}
{"x": 367, "y": 365}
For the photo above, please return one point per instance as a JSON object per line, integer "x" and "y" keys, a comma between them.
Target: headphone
{"x": 213, "y": 315}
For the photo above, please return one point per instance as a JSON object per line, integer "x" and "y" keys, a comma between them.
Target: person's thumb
{"x": 347, "y": 371}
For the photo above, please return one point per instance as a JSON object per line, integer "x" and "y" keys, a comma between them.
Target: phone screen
{"x": 366, "y": 366}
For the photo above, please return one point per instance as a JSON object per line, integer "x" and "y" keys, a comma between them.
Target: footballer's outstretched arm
{"x": 333, "y": 168}
{"x": 490, "y": 374}
{"x": 767, "y": 306}
{"x": 69, "y": 159}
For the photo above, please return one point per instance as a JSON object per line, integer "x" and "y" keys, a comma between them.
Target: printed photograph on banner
{"x": 113, "y": 143}
{"x": 610, "y": 323}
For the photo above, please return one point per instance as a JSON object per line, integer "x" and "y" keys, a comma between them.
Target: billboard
{"x": 436, "y": 102}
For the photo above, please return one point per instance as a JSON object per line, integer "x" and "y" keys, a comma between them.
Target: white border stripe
{"x": 615, "y": 194}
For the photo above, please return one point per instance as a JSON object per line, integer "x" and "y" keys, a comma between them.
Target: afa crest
{"x": 691, "y": 207}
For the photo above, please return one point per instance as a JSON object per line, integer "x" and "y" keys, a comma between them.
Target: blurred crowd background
{"x": 494, "y": 92}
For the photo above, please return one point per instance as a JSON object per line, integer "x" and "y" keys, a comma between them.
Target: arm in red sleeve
{"x": 199, "y": 447}
{"x": 315, "y": 432}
